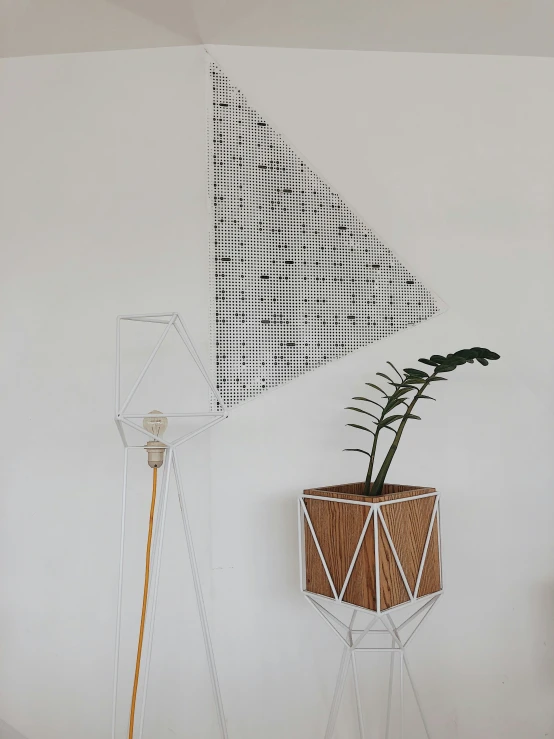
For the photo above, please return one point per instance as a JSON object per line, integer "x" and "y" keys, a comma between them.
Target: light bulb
{"x": 156, "y": 424}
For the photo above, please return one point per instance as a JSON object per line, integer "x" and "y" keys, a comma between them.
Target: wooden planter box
{"x": 375, "y": 553}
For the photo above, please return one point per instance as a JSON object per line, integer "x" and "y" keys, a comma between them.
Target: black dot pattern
{"x": 298, "y": 279}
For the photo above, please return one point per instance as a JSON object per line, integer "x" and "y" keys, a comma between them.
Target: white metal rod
{"x": 395, "y": 555}
{"x": 417, "y": 698}
{"x": 389, "y": 700}
{"x": 322, "y": 558}
{"x": 409, "y": 639}
{"x": 356, "y": 552}
{"x": 424, "y": 556}
{"x": 367, "y": 503}
{"x": 318, "y": 609}
{"x": 365, "y": 631}
{"x": 201, "y": 414}
{"x": 393, "y": 632}
{"x": 414, "y": 689}
{"x": 413, "y": 497}
{"x": 439, "y": 525}
{"x": 147, "y": 320}
{"x": 142, "y": 430}
{"x": 119, "y": 594}
{"x": 158, "y": 550}
{"x": 416, "y": 614}
{"x": 144, "y": 316}
{"x": 147, "y": 365}
{"x": 401, "y": 655}
{"x": 184, "y": 334}
{"x": 117, "y": 366}
{"x": 186, "y": 437}
{"x": 121, "y": 432}
{"x": 200, "y": 603}
{"x": 358, "y": 697}
{"x": 301, "y": 547}
{"x": 337, "y": 696}
{"x": 377, "y": 564}
{"x": 332, "y": 616}
{"x": 378, "y": 649}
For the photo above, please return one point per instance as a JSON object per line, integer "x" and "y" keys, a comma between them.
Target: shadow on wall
{"x": 6, "y": 732}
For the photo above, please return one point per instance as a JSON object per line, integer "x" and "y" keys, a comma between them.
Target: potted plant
{"x": 374, "y": 544}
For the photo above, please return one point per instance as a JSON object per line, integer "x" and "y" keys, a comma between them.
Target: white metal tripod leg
{"x": 358, "y": 698}
{"x": 391, "y": 684}
{"x": 417, "y": 699}
{"x": 201, "y": 605}
{"x": 396, "y": 637}
{"x": 154, "y": 585}
{"x": 401, "y": 655}
{"x": 120, "y": 593}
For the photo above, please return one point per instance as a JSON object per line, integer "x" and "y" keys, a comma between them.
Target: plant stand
{"x": 397, "y": 624}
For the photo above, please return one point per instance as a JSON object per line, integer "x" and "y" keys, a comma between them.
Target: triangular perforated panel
{"x": 298, "y": 279}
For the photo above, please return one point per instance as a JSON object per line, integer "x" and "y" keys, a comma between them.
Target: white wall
{"x": 103, "y": 212}
{"x": 450, "y": 159}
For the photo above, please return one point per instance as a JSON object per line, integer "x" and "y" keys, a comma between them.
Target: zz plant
{"x": 398, "y": 403}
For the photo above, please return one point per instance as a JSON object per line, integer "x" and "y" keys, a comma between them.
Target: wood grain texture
{"x": 338, "y": 527}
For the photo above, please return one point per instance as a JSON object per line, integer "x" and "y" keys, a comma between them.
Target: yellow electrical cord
{"x": 144, "y": 604}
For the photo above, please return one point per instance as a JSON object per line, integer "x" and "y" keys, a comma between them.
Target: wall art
{"x": 298, "y": 279}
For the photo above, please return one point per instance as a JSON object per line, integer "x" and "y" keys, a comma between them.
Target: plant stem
{"x": 380, "y": 479}
{"x": 367, "y": 486}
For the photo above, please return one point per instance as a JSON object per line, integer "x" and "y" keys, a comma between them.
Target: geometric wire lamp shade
{"x": 371, "y": 569}
{"x": 298, "y": 278}
{"x": 127, "y": 422}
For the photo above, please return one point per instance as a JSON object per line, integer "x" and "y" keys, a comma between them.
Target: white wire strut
{"x": 173, "y": 322}
{"x": 397, "y": 651}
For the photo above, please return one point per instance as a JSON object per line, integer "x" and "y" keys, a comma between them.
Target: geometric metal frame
{"x": 123, "y": 419}
{"x": 381, "y": 622}
{"x": 375, "y": 517}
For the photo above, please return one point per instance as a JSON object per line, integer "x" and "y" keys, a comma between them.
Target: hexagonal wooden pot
{"x": 372, "y": 552}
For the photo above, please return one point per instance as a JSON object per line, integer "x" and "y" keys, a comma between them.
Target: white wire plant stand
{"x": 364, "y": 629}
{"x": 125, "y": 421}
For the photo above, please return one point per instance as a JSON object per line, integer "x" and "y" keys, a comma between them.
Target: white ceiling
{"x": 513, "y": 27}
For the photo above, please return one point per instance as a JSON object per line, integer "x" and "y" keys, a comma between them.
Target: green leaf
{"x": 387, "y": 421}
{"x": 367, "y": 413}
{"x": 411, "y": 415}
{"x": 393, "y": 404}
{"x": 402, "y": 391}
{"x": 357, "y": 450}
{"x": 439, "y": 379}
{"x": 382, "y": 374}
{"x": 376, "y": 387}
{"x": 437, "y": 358}
{"x": 427, "y": 397}
{"x": 411, "y": 372}
{"x": 397, "y": 372}
{"x": 415, "y": 381}
{"x": 429, "y": 362}
{"x": 446, "y": 368}
{"x": 390, "y": 428}
{"x": 357, "y": 426}
{"x": 368, "y": 400}
{"x": 482, "y": 361}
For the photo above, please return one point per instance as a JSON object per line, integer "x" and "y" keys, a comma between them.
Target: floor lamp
{"x": 161, "y": 455}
